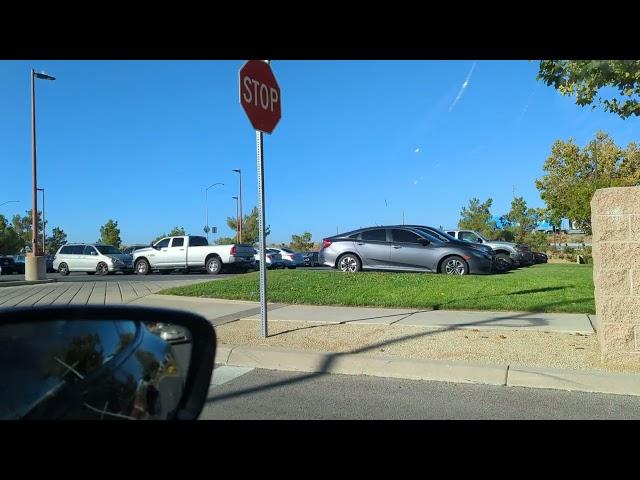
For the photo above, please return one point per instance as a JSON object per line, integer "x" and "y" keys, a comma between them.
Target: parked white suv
{"x": 91, "y": 258}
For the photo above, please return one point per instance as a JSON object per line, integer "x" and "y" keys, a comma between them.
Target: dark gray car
{"x": 403, "y": 248}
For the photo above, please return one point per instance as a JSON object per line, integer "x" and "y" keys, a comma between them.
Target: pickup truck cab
{"x": 192, "y": 253}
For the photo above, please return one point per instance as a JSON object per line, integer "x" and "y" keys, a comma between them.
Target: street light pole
{"x": 44, "y": 224}
{"x": 239, "y": 172}
{"x": 34, "y": 211}
{"x": 206, "y": 207}
{"x": 9, "y": 201}
{"x": 237, "y": 224}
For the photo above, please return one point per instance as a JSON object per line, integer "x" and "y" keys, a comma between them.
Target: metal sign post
{"x": 260, "y": 99}
{"x": 262, "y": 237}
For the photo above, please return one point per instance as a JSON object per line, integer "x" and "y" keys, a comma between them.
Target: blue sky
{"x": 359, "y": 142}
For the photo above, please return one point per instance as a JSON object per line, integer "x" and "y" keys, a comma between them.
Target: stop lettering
{"x": 260, "y": 95}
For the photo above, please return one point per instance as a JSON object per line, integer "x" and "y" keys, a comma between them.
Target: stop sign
{"x": 260, "y": 95}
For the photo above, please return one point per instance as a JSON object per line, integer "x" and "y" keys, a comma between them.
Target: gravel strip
{"x": 501, "y": 347}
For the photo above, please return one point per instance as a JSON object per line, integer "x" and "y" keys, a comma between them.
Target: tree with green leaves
{"x": 56, "y": 240}
{"x": 249, "y": 227}
{"x": 522, "y": 220}
{"x": 225, "y": 240}
{"x": 301, "y": 243}
{"x": 477, "y": 216}
{"x": 572, "y": 174}
{"x": 110, "y": 234}
{"x": 175, "y": 232}
{"x": 10, "y": 242}
{"x": 586, "y": 79}
{"x": 22, "y": 226}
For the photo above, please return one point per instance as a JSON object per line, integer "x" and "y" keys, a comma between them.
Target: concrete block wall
{"x": 615, "y": 221}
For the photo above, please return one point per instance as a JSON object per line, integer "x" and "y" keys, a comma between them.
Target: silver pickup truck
{"x": 192, "y": 253}
{"x": 509, "y": 253}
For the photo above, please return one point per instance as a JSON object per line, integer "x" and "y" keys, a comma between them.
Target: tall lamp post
{"x": 44, "y": 224}
{"x": 206, "y": 207}
{"x": 239, "y": 172}
{"x": 36, "y": 270}
{"x": 237, "y": 222}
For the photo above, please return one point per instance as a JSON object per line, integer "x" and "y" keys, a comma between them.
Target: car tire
{"x": 142, "y": 267}
{"x": 63, "y": 269}
{"x": 454, "y": 266}
{"x": 503, "y": 262}
{"x": 213, "y": 266}
{"x": 349, "y": 263}
{"x": 102, "y": 268}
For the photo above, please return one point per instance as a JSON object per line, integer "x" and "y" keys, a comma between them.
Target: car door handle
{"x": 164, "y": 250}
{"x": 360, "y": 243}
{"x": 182, "y": 249}
{"x": 397, "y": 246}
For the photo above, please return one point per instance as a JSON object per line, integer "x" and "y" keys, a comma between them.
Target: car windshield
{"x": 108, "y": 250}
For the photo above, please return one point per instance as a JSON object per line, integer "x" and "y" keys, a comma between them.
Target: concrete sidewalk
{"x": 545, "y": 350}
{"x": 220, "y": 311}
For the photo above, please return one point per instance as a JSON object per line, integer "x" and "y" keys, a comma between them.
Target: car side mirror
{"x": 479, "y": 240}
{"x": 105, "y": 362}
{"x": 424, "y": 242}
{"x": 93, "y": 253}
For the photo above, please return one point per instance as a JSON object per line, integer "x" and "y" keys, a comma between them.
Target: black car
{"x": 311, "y": 259}
{"x": 132, "y": 248}
{"x": 20, "y": 263}
{"x": 7, "y": 265}
{"x": 540, "y": 257}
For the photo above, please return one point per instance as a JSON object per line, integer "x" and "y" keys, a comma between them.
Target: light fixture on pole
{"x": 206, "y": 207}
{"x": 239, "y": 172}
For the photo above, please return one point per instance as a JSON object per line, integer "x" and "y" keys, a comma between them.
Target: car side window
{"x": 65, "y": 250}
{"x": 453, "y": 234}
{"x": 377, "y": 235}
{"x": 164, "y": 243}
{"x": 88, "y": 249}
{"x": 77, "y": 250}
{"x": 404, "y": 236}
{"x": 469, "y": 237}
{"x": 178, "y": 242}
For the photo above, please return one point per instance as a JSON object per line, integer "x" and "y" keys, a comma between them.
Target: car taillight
{"x": 233, "y": 250}
{"x": 326, "y": 243}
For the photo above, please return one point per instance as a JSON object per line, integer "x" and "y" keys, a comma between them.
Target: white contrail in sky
{"x": 464, "y": 86}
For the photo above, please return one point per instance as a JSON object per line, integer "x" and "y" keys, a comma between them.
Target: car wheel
{"x": 63, "y": 269}
{"x": 349, "y": 263}
{"x": 503, "y": 262}
{"x": 142, "y": 267}
{"x": 454, "y": 266}
{"x": 102, "y": 268}
{"x": 214, "y": 266}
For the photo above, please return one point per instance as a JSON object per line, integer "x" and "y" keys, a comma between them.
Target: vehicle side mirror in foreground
{"x": 104, "y": 362}
{"x": 424, "y": 242}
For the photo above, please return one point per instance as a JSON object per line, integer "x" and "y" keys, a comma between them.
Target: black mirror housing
{"x": 191, "y": 382}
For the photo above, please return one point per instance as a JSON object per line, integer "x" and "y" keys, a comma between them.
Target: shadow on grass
{"x": 332, "y": 357}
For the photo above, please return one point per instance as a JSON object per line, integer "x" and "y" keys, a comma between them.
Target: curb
{"x": 271, "y": 358}
{"x": 24, "y": 282}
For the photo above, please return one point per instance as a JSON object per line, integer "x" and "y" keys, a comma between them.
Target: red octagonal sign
{"x": 260, "y": 95}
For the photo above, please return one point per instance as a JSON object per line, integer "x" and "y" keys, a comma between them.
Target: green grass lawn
{"x": 540, "y": 288}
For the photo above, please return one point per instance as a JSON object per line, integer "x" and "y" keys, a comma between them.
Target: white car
{"x": 91, "y": 258}
{"x": 273, "y": 259}
{"x": 192, "y": 253}
{"x": 290, "y": 258}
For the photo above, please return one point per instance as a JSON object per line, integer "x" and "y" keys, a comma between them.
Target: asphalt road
{"x": 247, "y": 394}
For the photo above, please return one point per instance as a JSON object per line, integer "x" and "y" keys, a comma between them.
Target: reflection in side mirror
{"x": 104, "y": 363}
